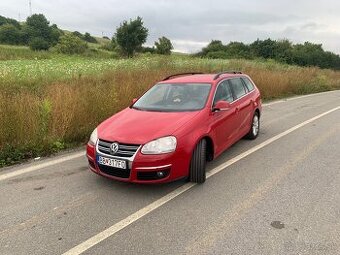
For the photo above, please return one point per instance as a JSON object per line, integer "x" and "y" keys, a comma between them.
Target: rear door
{"x": 242, "y": 104}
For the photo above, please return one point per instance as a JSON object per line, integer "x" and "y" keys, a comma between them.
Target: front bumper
{"x": 144, "y": 168}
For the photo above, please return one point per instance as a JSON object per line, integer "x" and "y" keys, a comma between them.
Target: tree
{"x": 71, "y": 44}
{"x": 38, "y": 26}
{"x": 163, "y": 46}
{"x": 38, "y": 32}
{"x": 131, "y": 35}
{"x": 9, "y": 34}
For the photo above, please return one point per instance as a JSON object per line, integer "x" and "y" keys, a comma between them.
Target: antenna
{"x": 30, "y": 6}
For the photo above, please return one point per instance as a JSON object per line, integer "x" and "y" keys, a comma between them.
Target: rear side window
{"x": 223, "y": 93}
{"x": 248, "y": 83}
{"x": 237, "y": 87}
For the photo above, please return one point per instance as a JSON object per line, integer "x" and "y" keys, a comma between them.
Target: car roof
{"x": 199, "y": 78}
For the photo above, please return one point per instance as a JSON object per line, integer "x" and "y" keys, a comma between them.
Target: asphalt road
{"x": 279, "y": 194}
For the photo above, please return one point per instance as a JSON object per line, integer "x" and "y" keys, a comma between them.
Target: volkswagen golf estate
{"x": 178, "y": 125}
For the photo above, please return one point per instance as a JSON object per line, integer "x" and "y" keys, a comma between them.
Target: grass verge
{"x": 48, "y": 105}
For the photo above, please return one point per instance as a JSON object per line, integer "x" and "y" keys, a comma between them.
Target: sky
{"x": 192, "y": 24}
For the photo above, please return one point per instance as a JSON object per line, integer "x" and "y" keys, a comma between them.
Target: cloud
{"x": 191, "y": 23}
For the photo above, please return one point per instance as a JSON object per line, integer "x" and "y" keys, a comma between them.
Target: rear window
{"x": 237, "y": 87}
{"x": 248, "y": 83}
{"x": 223, "y": 93}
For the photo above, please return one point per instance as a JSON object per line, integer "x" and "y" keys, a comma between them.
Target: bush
{"x": 71, "y": 44}
{"x": 217, "y": 55}
{"x": 284, "y": 51}
{"x": 109, "y": 46}
{"x": 4, "y": 20}
{"x": 39, "y": 43}
{"x": 89, "y": 38}
{"x": 150, "y": 50}
{"x": 78, "y": 34}
{"x": 9, "y": 34}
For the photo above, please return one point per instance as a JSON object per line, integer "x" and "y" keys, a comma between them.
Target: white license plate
{"x": 112, "y": 162}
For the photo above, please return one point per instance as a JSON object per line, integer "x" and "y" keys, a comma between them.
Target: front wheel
{"x": 255, "y": 127}
{"x": 198, "y": 162}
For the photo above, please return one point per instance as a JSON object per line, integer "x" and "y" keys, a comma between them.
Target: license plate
{"x": 111, "y": 162}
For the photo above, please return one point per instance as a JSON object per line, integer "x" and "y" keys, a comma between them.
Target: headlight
{"x": 160, "y": 146}
{"x": 93, "y": 137}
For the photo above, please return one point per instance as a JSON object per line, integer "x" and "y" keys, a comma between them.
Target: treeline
{"x": 35, "y": 32}
{"x": 307, "y": 54}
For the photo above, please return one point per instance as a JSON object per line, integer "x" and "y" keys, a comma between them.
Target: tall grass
{"x": 10, "y": 52}
{"x": 55, "y": 110}
{"x": 15, "y": 52}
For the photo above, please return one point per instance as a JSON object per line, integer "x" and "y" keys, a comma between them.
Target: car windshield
{"x": 174, "y": 97}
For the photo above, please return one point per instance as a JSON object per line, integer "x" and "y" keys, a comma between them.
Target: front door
{"x": 224, "y": 122}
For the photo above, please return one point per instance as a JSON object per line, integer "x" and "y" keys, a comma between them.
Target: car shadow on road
{"x": 135, "y": 189}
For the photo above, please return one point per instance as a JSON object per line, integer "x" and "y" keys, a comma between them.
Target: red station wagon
{"x": 175, "y": 128}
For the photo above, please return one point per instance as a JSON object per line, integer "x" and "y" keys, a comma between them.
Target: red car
{"x": 175, "y": 128}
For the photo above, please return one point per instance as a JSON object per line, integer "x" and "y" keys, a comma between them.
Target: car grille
{"x": 124, "y": 150}
{"x": 116, "y": 172}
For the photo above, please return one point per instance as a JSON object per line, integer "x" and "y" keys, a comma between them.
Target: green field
{"x": 50, "y": 101}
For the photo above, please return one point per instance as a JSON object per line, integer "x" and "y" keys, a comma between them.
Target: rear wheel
{"x": 198, "y": 162}
{"x": 255, "y": 127}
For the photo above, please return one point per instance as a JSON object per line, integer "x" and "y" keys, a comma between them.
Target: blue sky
{"x": 191, "y": 24}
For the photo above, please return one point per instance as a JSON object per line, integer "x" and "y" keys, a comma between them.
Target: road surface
{"x": 279, "y": 194}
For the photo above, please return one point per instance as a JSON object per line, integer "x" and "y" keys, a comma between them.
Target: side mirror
{"x": 221, "y": 106}
{"x": 134, "y": 100}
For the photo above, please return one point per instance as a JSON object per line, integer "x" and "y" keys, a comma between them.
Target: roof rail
{"x": 225, "y": 72}
{"x": 180, "y": 74}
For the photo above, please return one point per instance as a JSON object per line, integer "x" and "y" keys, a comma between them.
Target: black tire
{"x": 198, "y": 162}
{"x": 254, "y": 132}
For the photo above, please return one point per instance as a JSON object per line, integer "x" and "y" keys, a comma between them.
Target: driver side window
{"x": 223, "y": 93}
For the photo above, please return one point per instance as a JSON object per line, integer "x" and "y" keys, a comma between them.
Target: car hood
{"x": 133, "y": 126}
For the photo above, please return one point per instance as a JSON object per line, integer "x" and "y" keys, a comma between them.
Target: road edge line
{"x": 40, "y": 166}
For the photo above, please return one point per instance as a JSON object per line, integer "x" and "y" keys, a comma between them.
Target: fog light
{"x": 160, "y": 174}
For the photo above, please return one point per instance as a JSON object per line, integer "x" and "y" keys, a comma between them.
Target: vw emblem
{"x": 114, "y": 148}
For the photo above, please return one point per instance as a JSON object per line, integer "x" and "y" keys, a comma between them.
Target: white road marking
{"x": 40, "y": 166}
{"x": 79, "y": 154}
{"x": 163, "y": 200}
{"x": 298, "y": 97}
